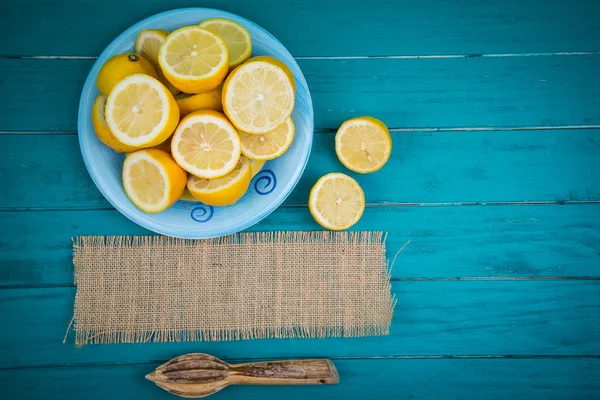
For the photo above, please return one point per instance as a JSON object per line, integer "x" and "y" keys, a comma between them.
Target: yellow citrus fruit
{"x": 164, "y": 146}
{"x": 152, "y": 180}
{"x": 148, "y": 42}
{"x": 102, "y": 130}
{"x": 270, "y": 145}
{"x": 206, "y": 144}
{"x": 363, "y": 144}
{"x": 255, "y": 167}
{"x": 280, "y": 64}
{"x": 202, "y": 101}
{"x": 121, "y": 66}
{"x": 258, "y": 96}
{"x": 141, "y": 112}
{"x": 223, "y": 191}
{"x": 236, "y": 37}
{"x": 193, "y": 59}
{"x": 147, "y": 45}
{"x": 336, "y": 201}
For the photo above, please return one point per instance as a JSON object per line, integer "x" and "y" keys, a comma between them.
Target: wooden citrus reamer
{"x": 200, "y": 375}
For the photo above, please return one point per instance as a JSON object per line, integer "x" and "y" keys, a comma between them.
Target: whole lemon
{"x": 120, "y": 67}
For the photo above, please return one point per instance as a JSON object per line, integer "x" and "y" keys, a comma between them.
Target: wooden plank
{"x": 431, "y": 318}
{"x": 446, "y": 242}
{"x": 341, "y": 28}
{"x": 359, "y": 379}
{"x": 432, "y": 167}
{"x": 414, "y": 93}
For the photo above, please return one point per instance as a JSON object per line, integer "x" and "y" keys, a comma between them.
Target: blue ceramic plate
{"x": 268, "y": 189}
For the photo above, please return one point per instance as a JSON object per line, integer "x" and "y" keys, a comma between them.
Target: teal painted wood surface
{"x": 470, "y": 318}
{"x": 451, "y": 242}
{"x": 425, "y": 167}
{"x": 405, "y": 93}
{"x": 494, "y": 179}
{"x": 453, "y": 379}
{"x": 332, "y": 28}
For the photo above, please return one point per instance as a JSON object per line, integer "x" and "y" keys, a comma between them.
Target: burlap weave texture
{"x": 243, "y": 286}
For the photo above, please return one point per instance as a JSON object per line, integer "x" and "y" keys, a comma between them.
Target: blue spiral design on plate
{"x": 265, "y": 182}
{"x": 202, "y": 213}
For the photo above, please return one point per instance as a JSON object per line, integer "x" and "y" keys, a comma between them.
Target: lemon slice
{"x": 258, "y": 96}
{"x": 102, "y": 130}
{"x": 236, "y": 37}
{"x": 336, "y": 201}
{"x": 193, "y": 59}
{"x": 141, "y": 112}
{"x": 278, "y": 63}
{"x": 202, "y": 101}
{"x": 147, "y": 45}
{"x": 255, "y": 167}
{"x": 206, "y": 144}
{"x": 153, "y": 180}
{"x": 270, "y": 145}
{"x": 223, "y": 191}
{"x": 363, "y": 144}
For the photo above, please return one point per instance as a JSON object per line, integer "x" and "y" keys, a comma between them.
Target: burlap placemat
{"x": 244, "y": 286}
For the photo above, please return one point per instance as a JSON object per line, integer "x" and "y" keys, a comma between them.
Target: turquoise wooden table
{"x": 494, "y": 108}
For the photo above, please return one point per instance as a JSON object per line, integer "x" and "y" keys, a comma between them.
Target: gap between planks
{"x": 397, "y": 279}
{"x": 371, "y": 205}
{"x": 398, "y": 130}
{"x": 393, "y": 57}
{"x": 392, "y": 357}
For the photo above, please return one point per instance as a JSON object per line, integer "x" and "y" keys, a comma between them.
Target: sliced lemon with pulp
{"x": 278, "y": 63}
{"x": 270, "y": 145}
{"x": 147, "y": 45}
{"x": 152, "y": 180}
{"x": 223, "y": 191}
{"x": 193, "y": 59}
{"x": 141, "y": 112}
{"x": 336, "y": 201}
{"x": 206, "y": 144}
{"x": 102, "y": 130}
{"x": 121, "y": 66}
{"x": 258, "y": 96}
{"x": 202, "y": 101}
{"x": 236, "y": 37}
{"x": 363, "y": 144}
{"x": 255, "y": 167}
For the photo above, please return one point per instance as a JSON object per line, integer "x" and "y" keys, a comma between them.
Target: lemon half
{"x": 202, "y": 101}
{"x": 121, "y": 66}
{"x": 206, "y": 144}
{"x": 223, "y": 191}
{"x": 148, "y": 45}
{"x": 193, "y": 59}
{"x": 102, "y": 130}
{"x": 236, "y": 37}
{"x": 255, "y": 167}
{"x": 336, "y": 201}
{"x": 258, "y": 96}
{"x": 153, "y": 180}
{"x": 270, "y": 145}
{"x": 363, "y": 144}
{"x": 141, "y": 112}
